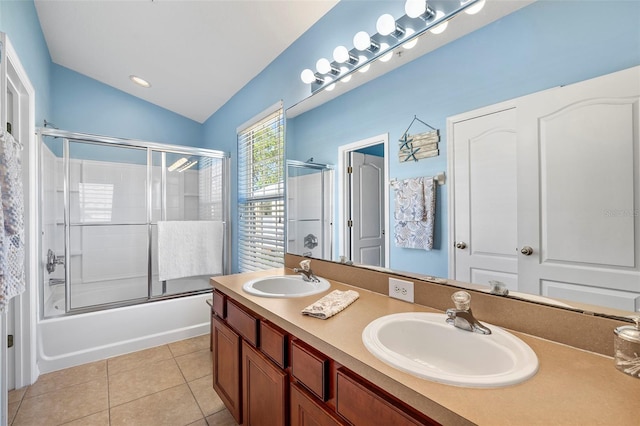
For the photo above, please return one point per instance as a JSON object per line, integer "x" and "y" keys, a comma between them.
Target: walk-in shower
{"x": 102, "y": 199}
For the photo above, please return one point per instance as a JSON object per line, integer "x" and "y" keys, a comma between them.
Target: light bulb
{"x": 439, "y": 29}
{"x": 472, "y": 10}
{"x": 323, "y": 66}
{"x": 362, "y": 41}
{"x": 365, "y": 68}
{"x": 307, "y": 76}
{"x": 386, "y": 24}
{"x": 410, "y": 44}
{"x": 415, "y": 8}
{"x": 387, "y": 56}
{"x": 341, "y": 54}
{"x": 330, "y": 87}
{"x": 344, "y": 70}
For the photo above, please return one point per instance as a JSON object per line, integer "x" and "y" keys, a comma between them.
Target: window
{"x": 261, "y": 194}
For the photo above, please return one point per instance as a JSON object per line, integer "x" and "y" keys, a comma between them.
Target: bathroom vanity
{"x": 272, "y": 364}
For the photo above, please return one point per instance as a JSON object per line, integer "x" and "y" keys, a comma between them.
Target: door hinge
{"x": 349, "y": 169}
{"x": 350, "y": 223}
{"x": 10, "y": 341}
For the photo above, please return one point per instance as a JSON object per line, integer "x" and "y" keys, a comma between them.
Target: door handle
{"x": 461, "y": 245}
{"x": 526, "y": 250}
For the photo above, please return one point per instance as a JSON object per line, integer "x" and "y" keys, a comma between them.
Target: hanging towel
{"x": 12, "y": 253}
{"x": 415, "y": 207}
{"x": 189, "y": 248}
{"x": 331, "y": 304}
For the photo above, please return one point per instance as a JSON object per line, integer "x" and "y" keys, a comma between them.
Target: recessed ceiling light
{"x": 140, "y": 81}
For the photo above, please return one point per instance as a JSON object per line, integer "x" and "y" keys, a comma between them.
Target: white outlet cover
{"x": 401, "y": 289}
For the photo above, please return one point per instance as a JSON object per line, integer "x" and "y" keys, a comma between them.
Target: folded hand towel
{"x": 331, "y": 304}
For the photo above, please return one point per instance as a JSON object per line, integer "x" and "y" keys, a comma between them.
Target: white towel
{"x": 331, "y": 304}
{"x": 414, "y": 227}
{"x": 12, "y": 253}
{"x": 189, "y": 248}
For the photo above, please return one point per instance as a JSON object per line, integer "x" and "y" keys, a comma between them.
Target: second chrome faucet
{"x": 461, "y": 315}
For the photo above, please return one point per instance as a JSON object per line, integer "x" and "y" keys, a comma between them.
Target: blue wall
{"x": 543, "y": 45}
{"x": 19, "y": 20}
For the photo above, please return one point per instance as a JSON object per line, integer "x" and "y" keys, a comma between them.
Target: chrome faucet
{"x": 306, "y": 272}
{"x": 462, "y": 317}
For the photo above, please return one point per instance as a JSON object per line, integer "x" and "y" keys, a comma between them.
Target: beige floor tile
{"x": 222, "y": 418}
{"x": 138, "y": 359}
{"x": 64, "y": 405}
{"x": 201, "y": 422}
{"x": 195, "y": 365}
{"x": 171, "y": 407}
{"x": 13, "y": 410}
{"x": 16, "y": 395}
{"x": 68, "y": 377}
{"x": 98, "y": 419}
{"x": 207, "y": 398}
{"x": 133, "y": 384}
{"x": 188, "y": 346}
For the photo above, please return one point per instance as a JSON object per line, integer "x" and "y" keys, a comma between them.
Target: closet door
{"x": 485, "y": 198}
{"x": 579, "y": 191}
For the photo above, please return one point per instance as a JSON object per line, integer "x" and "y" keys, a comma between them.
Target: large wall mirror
{"x": 544, "y": 45}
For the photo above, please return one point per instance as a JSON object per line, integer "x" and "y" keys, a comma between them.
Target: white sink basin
{"x": 285, "y": 286}
{"x": 424, "y": 345}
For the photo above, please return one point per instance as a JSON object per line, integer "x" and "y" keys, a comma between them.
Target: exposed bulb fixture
{"x": 410, "y": 44}
{"x": 418, "y": 9}
{"x": 346, "y": 78}
{"x": 477, "y": 7}
{"x": 362, "y": 41}
{"x": 140, "y": 81}
{"x": 330, "y": 87}
{"x": 439, "y": 29}
{"x": 307, "y": 76}
{"x": 342, "y": 55}
{"x": 386, "y": 25}
{"x": 364, "y": 68}
{"x": 387, "y": 56}
{"x": 323, "y": 66}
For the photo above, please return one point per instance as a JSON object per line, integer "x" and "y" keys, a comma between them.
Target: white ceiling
{"x": 196, "y": 54}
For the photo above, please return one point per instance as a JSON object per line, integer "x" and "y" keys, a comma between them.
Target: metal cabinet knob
{"x": 461, "y": 245}
{"x": 526, "y": 250}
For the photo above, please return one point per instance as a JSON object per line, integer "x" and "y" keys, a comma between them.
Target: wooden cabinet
{"x": 265, "y": 390}
{"x": 267, "y": 377}
{"x": 306, "y": 411}
{"x": 226, "y": 367}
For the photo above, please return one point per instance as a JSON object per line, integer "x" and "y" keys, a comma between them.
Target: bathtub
{"x": 67, "y": 341}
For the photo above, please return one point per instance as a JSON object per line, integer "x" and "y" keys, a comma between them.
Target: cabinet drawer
{"x": 243, "y": 322}
{"x": 311, "y": 369}
{"x": 219, "y": 304}
{"x": 362, "y": 405}
{"x": 273, "y": 343}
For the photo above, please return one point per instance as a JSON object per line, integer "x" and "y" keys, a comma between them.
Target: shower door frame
{"x": 150, "y": 147}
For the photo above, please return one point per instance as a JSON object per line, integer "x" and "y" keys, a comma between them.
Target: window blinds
{"x": 261, "y": 194}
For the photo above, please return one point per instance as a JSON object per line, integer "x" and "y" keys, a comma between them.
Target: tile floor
{"x": 166, "y": 385}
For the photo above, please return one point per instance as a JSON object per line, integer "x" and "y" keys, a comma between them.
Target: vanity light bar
{"x": 380, "y": 46}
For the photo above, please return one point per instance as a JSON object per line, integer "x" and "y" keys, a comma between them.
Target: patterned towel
{"x": 331, "y": 304}
{"x": 412, "y": 230}
{"x": 12, "y": 252}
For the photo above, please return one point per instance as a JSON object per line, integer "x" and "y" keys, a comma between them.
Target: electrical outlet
{"x": 401, "y": 289}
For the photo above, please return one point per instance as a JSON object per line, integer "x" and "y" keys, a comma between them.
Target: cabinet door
{"x": 265, "y": 390}
{"x": 226, "y": 367}
{"x": 485, "y": 198}
{"x": 305, "y": 411}
{"x": 579, "y": 191}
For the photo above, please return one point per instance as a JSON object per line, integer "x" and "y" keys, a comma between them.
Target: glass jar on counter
{"x": 627, "y": 348}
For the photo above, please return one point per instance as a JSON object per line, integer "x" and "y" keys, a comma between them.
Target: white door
{"x": 579, "y": 191}
{"x": 367, "y": 208}
{"x": 485, "y": 197}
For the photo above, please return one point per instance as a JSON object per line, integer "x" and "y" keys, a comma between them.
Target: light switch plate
{"x": 401, "y": 289}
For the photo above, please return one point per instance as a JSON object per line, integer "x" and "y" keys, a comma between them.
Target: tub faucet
{"x": 462, "y": 317}
{"x": 306, "y": 272}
